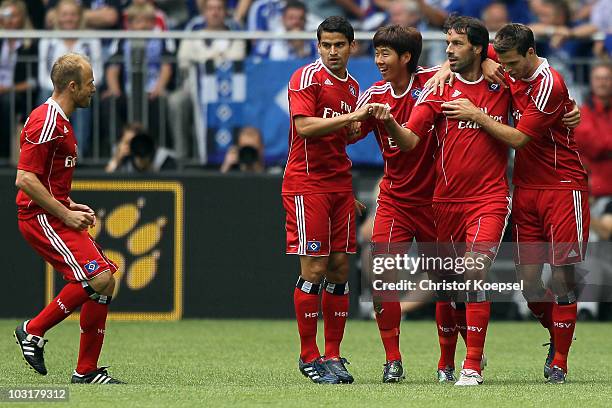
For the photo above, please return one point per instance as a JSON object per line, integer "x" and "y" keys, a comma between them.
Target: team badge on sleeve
{"x": 352, "y": 90}
{"x": 91, "y": 267}
{"x": 415, "y": 93}
{"x": 493, "y": 87}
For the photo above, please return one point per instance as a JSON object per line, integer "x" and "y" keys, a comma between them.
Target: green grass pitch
{"x": 254, "y": 362}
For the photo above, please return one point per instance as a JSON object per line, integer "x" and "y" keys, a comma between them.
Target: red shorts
{"x": 318, "y": 224}
{"x": 72, "y": 253}
{"x": 550, "y": 226}
{"x": 399, "y": 223}
{"x": 471, "y": 227}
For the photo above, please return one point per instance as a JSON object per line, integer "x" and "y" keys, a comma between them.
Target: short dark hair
{"x": 475, "y": 30}
{"x": 295, "y": 4}
{"x": 401, "y": 39}
{"x": 336, "y": 24}
{"x": 514, "y": 36}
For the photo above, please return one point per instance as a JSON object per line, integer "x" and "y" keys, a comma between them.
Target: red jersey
{"x": 48, "y": 149}
{"x": 470, "y": 164}
{"x": 409, "y": 176}
{"x": 320, "y": 164}
{"x": 551, "y": 159}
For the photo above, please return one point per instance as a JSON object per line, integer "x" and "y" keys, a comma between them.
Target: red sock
{"x": 306, "y": 313}
{"x": 477, "y": 318}
{"x": 447, "y": 334}
{"x": 459, "y": 316}
{"x": 564, "y": 322}
{"x": 543, "y": 312}
{"x": 93, "y": 323}
{"x": 388, "y": 321}
{"x": 70, "y": 297}
{"x": 335, "y": 306}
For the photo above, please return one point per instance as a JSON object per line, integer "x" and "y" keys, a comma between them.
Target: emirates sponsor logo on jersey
{"x": 330, "y": 113}
{"x": 70, "y": 161}
{"x": 468, "y": 124}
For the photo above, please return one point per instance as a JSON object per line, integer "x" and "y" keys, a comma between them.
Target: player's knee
{"x": 313, "y": 275}
{"x": 338, "y": 273}
{"x": 534, "y": 292}
{"x": 314, "y": 272}
{"x": 101, "y": 281}
{"x": 110, "y": 288}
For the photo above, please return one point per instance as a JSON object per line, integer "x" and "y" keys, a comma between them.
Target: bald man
{"x": 57, "y": 228}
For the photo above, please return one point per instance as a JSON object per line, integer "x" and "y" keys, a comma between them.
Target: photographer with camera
{"x": 247, "y": 154}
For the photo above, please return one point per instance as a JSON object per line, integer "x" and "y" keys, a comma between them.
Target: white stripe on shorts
{"x": 61, "y": 247}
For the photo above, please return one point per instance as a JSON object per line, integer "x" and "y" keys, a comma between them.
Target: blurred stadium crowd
{"x": 573, "y": 35}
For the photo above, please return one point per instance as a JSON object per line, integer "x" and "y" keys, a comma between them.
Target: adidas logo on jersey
{"x": 572, "y": 254}
{"x": 65, "y": 129}
{"x": 456, "y": 93}
{"x": 328, "y": 82}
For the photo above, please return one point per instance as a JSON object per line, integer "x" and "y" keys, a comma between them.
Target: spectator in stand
{"x": 423, "y": 15}
{"x": 495, "y": 16}
{"x": 406, "y": 13}
{"x": 156, "y": 70}
{"x": 600, "y": 21}
{"x": 70, "y": 17}
{"x": 136, "y": 152}
{"x": 294, "y": 19}
{"x": 247, "y": 155}
{"x": 562, "y": 35}
{"x": 161, "y": 21}
{"x": 17, "y": 75}
{"x": 98, "y": 14}
{"x": 594, "y": 136}
{"x": 182, "y": 102}
{"x": 518, "y": 10}
{"x": 212, "y": 15}
{"x": 265, "y": 15}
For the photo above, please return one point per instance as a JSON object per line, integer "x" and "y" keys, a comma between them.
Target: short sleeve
{"x": 542, "y": 113}
{"x": 302, "y": 96}
{"x": 35, "y": 150}
{"x": 424, "y": 114}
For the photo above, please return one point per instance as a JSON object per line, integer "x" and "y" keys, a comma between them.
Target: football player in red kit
{"x": 403, "y": 210}
{"x": 318, "y": 197}
{"x": 56, "y": 227}
{"x": 550, "y": 203}
{"x": 470, "y": 201}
